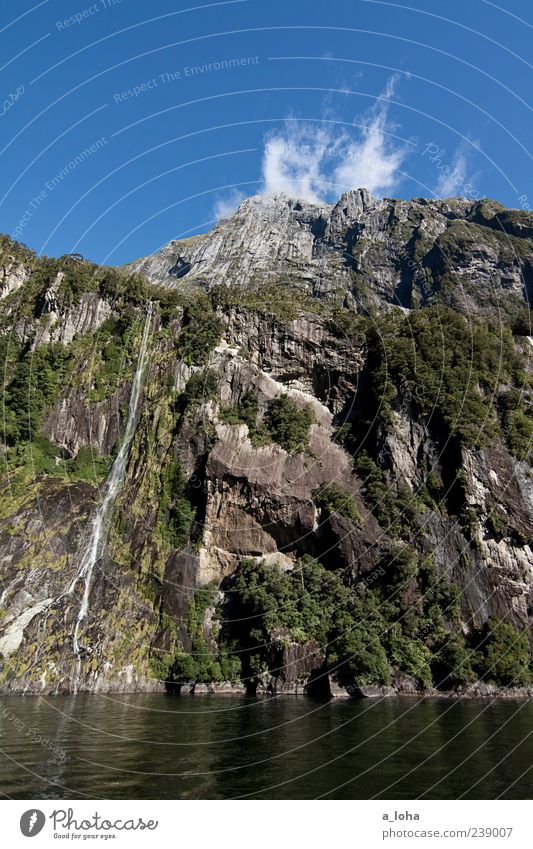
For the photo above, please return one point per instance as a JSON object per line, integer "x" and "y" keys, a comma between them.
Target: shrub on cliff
{"x": 452, "y": 663}
{"x": 288, "y": 424}
{"x": 448, "y": 369}
{"x": 205, "y": 663}
{"x": 88, "y": 465}
{"x": 201, "y": 387}
{"x": 395, "y": 616}
{"x": 246, "y": 412}
{"x": 335, "y": 499}
{"x": 357, "y": 655}
{"x": 517, "y": 422}
{"x": 201, "y": 332}
{"x": 182, "y": 668}
{"x": 504, "y": 654}
{"x": 280, "y": 300}
{"x": 175, "y": 513}
{"x": 37, "y": 380}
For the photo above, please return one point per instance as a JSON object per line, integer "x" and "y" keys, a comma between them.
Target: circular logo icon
{"x": 32, "y": 822}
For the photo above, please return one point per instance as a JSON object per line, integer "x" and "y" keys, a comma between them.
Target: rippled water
{"x": 162, "y": 746}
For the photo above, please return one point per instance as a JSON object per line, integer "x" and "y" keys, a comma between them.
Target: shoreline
{"x": 368, "y": 692}
{"x": 484, "y": 691}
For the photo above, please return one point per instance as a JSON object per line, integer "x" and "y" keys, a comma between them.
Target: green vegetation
{"x": 463, "y": 379}
{"x": 175, "y": 512}
{"x": 202, "y": 331}
{"x": 114, "y": 347}
{"x": 36, "y": 379}
{"x": 40, "y": 456}
{"x": 205, "y": 663}
{"x": 466, "y": 237}
{"x": 288, "y": 424}
{"x": 87, "y": 465}
{"x": 504, "y": 655}
{"x": 246, "y": 412}
{"x": 181, "y": 669}
{"x": 37, "y": 457}
{"x": 397, "y": 508}
{"x": 448, "y": 374}
{"x": 400, "y": 615}
{"x": 201, "y": 387}
{"x": 457, "y": 245}
{"x": 346, "y": 323}
{"x": 78, "y": 277}
{"x": 11, "y": 251}
{"x": 335, "y": 499}
{"x": 517, "y": 422}
{"x": 283, "y": 301}
{"x": 453, "y": 665}
{"x": 285, "y": 422}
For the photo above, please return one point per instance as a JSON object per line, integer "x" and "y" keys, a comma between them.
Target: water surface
{"x": 167, "y": 747}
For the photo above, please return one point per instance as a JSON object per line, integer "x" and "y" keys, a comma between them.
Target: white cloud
{"x": 453, "y": 178}
{"x": 226, "y": 205}
{"x": 318, "y": 161}
{"x": 373, "y": 161}
{"x": 292, "y": 161}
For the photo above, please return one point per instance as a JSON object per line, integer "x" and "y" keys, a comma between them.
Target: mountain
{"x": 290, "y": 454}
{"x": 362, "y": 251}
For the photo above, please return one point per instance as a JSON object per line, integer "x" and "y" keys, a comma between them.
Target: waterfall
{"x": 113, "y": 485}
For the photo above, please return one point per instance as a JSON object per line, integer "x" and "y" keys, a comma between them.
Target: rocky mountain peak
{"x": 279, "y": 205}
{"x": 267, "y": 237}
{"x": 360, "y": 251}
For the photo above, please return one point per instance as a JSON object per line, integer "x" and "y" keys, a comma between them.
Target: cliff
{"x": 330, "y": 479}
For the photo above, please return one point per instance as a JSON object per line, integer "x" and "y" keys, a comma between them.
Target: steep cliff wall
{"x": 330, "y": 478}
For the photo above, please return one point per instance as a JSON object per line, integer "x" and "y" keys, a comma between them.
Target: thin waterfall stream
{"x": 113, "y": 485}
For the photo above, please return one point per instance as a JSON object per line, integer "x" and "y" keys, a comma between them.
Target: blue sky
{"x": 126, "y": 124}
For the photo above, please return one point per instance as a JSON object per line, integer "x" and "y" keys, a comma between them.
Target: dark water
{"x": 159, "y": 746}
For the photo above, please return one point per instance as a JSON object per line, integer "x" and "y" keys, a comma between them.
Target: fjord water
{"x": 162, "y": 746}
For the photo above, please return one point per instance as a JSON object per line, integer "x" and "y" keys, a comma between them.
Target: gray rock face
{"x": 267, "y": 236}
{"x": 371, "y": 691}
{"x": 363, "y": 250}
{"x": 61, "y": 326}
{"x": 12, "y": 276}
{"x": 53, "y": 321}
{"x": 37, "y": 564}
{"x": 74, "y": 423}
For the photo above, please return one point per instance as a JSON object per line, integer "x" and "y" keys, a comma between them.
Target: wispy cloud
{"x": 454, "y": 180}
{"x": 455, "y": 176}
{"x": 373, "y": 161}
{"x": 293, "y": 161}
{"x": 317, "y": 162}
{"x": 226, "y": 205}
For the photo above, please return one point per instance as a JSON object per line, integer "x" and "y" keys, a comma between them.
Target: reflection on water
{"x": 160, "y": 746}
